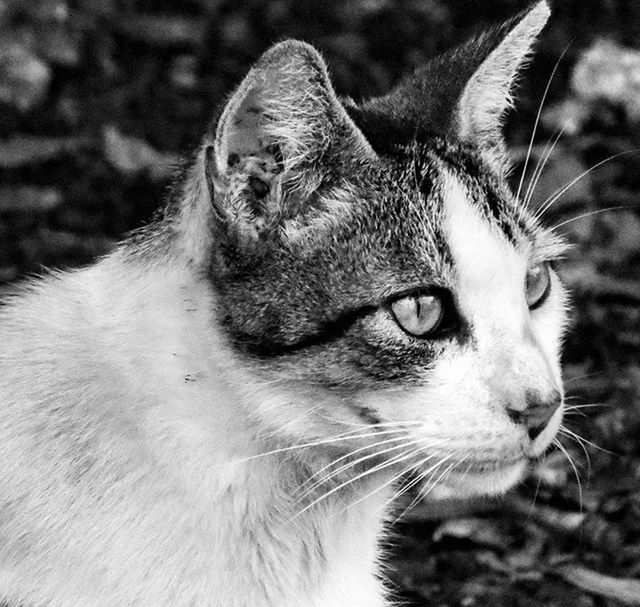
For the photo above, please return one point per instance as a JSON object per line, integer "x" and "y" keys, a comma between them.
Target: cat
{"x": 339, "y": 301}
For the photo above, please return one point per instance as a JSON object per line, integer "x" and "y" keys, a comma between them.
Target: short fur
{"x": 219, "y": 412}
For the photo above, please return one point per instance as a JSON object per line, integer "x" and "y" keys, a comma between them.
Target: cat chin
{"x": 479, "y": 483}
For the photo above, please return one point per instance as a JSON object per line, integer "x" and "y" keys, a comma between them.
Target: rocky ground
{"x": 98, "y": 99}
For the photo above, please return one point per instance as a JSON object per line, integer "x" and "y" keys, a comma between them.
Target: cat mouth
{"x": 487, "y": 477}
{"x": 489, "y": 466}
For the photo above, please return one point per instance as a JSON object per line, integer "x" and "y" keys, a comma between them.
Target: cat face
{"x": 376, "y": 276}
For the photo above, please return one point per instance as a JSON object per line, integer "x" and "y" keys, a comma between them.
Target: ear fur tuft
{"x": 488, "y": 93}
{"x": 282, "y": 100}
{"x": 281, "y": 121}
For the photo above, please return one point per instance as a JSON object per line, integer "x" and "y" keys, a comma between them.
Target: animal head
{"x": 374, "y": 270}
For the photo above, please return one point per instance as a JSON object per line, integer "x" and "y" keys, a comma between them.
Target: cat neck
{"x": 325, "y": 556}
{"x": 200, "y": 430}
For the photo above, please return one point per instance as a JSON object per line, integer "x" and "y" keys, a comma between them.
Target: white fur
{"x": 123, "y": 439}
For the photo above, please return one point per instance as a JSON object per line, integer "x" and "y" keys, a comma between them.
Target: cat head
{"x": 374, "y": 272}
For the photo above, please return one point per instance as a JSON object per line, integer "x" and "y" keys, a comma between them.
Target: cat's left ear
{"x": 488, "y": 93}
{"x": 282, "y": 136}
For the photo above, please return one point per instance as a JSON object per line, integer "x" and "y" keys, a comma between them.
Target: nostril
{"x": 537, "y": 413}
{"x": 536, "y": 431}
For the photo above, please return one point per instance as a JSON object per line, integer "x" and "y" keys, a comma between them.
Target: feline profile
{"x": 338, "y": 296}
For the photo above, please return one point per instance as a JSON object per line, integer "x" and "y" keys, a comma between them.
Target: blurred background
{"x": 99, "y": 99}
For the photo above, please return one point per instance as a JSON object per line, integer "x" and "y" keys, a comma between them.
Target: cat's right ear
{"x": 280, "y": 136}
{"x": 488, "y": 93}
{"x": 462, "y": 94}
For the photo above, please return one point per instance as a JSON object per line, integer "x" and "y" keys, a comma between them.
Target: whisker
{"x": 540, "y": 168}
{"x": 570, "y": 410}
{"x": 537, "y": 121}
{"x": 596, "y": 212}
{"x": 305, "y": 414}
{"x": 422, "y": 474}
{"x": 564, "y": 431}
{"x": 416, "y": 481}
{"x": 380, "y": 424}
{"x": 560, "y": 446}
{"x": 428, "y": 485}
{"x": 384, "y": 485}
{"x": 344, "y": 436}
{"x": 379, "y": 467}
{"x": 546, "y": 205}
{"x": 588, "y": 406}
{"x": 351, "y": 464}
{"x": 314, "y": 482}
{"x": 535, "y": 495}
{"x": 583, "y": 441}
{"x": 434, "y": 483}
{"x": 405, "y": 488}
{"x": 579, "y": 377}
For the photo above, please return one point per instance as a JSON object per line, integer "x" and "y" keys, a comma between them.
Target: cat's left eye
{"x": 538, "y": 285}
{"x": 419, "y": 315}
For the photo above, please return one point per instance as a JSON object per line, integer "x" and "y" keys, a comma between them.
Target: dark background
{"x": 98, "y": 99}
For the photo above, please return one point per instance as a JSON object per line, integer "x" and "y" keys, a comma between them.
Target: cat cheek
{"x": 458, "y": 420}
{"x": 456, "y": 432}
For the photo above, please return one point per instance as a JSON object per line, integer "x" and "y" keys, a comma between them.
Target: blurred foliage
{"x": 99, "y": 97}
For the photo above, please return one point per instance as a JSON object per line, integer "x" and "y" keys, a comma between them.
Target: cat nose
{"x": 537, "y": 412}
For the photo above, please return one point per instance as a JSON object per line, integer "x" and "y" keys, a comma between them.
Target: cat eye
{"x": 538, "y": 285}
{"x": 419, "y": 315}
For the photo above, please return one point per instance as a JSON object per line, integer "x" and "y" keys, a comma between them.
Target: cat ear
{"x": 488, "y": 93}
{"x": 462, "y": 94}
{"x": 276, "y": 139}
